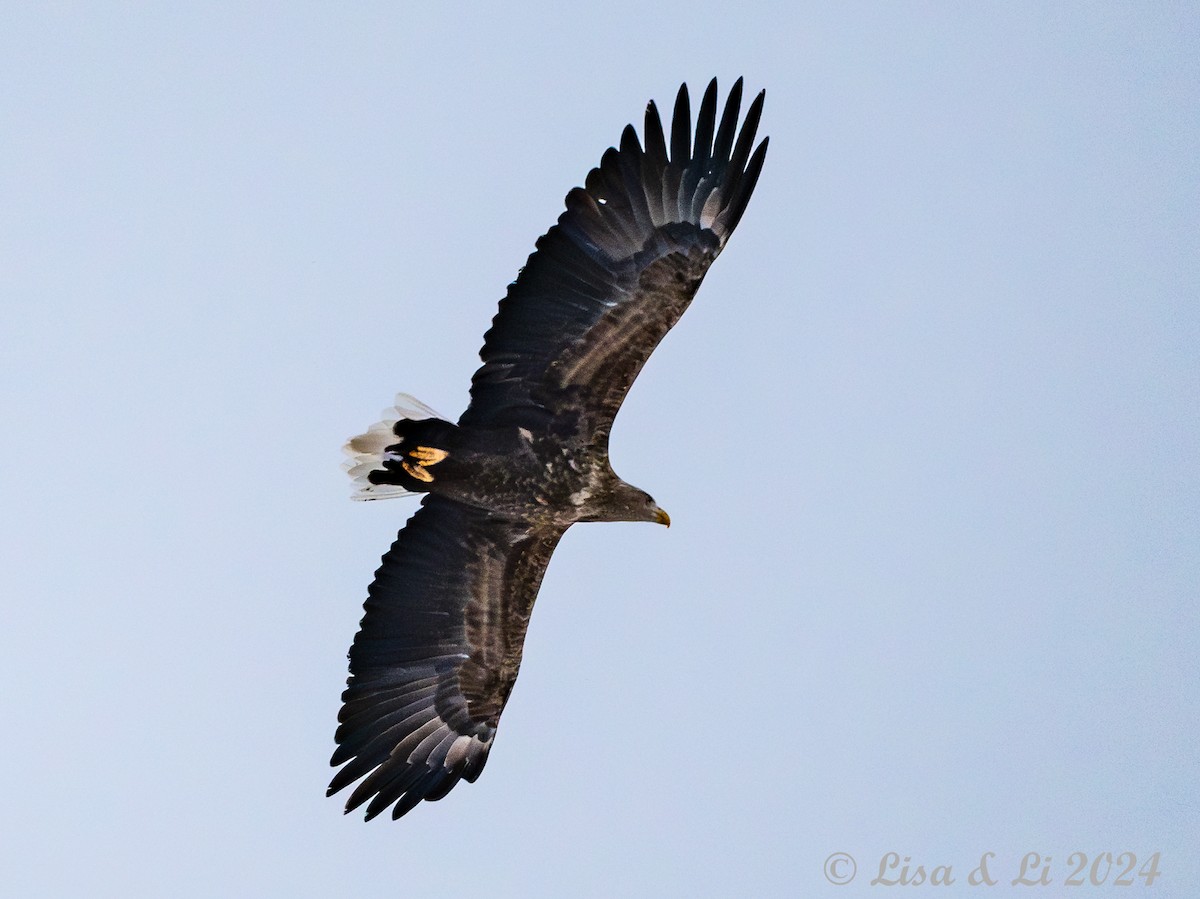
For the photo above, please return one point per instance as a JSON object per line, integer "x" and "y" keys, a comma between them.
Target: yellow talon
{"x": 428, "y": 455}
{"x": 417, "y": 472}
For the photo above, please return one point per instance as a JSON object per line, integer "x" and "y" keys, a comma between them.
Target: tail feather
{"x": 368, "y": 452}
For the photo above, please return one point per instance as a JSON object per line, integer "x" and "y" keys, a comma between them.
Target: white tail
{"x": 367, "y": 451}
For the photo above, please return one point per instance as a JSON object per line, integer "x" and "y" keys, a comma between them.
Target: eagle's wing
{"x": 437, "y": 653}
{"x": 611, "y": 278}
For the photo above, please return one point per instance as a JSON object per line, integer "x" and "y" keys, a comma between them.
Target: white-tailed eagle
{"x": 440, "y": 642}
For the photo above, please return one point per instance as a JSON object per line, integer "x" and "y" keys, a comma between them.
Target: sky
{"x": 929, "y": 438}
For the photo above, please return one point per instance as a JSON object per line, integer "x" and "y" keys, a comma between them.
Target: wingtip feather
{"x": 681, "y": 128}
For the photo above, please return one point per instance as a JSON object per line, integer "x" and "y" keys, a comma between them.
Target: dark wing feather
{"x": 614, "y": 275}
{"x": 437, "y": 654}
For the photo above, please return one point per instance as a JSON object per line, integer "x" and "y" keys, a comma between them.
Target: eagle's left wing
{"x": 437, "y": 654}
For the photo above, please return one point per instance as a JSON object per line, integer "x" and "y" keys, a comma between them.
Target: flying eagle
{"x": 439, "y": 645}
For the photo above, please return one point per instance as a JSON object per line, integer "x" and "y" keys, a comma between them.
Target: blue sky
{"x": 928, "y": 438}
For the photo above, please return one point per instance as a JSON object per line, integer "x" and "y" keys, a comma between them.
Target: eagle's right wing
{"x": 437, "y": 654}
{"x": 618, "y": 270}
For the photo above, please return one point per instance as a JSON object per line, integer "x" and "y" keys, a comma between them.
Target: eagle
{"x": 439, "y": 644}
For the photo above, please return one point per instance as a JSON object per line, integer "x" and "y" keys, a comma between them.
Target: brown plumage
{"x": 440, "y": 642}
